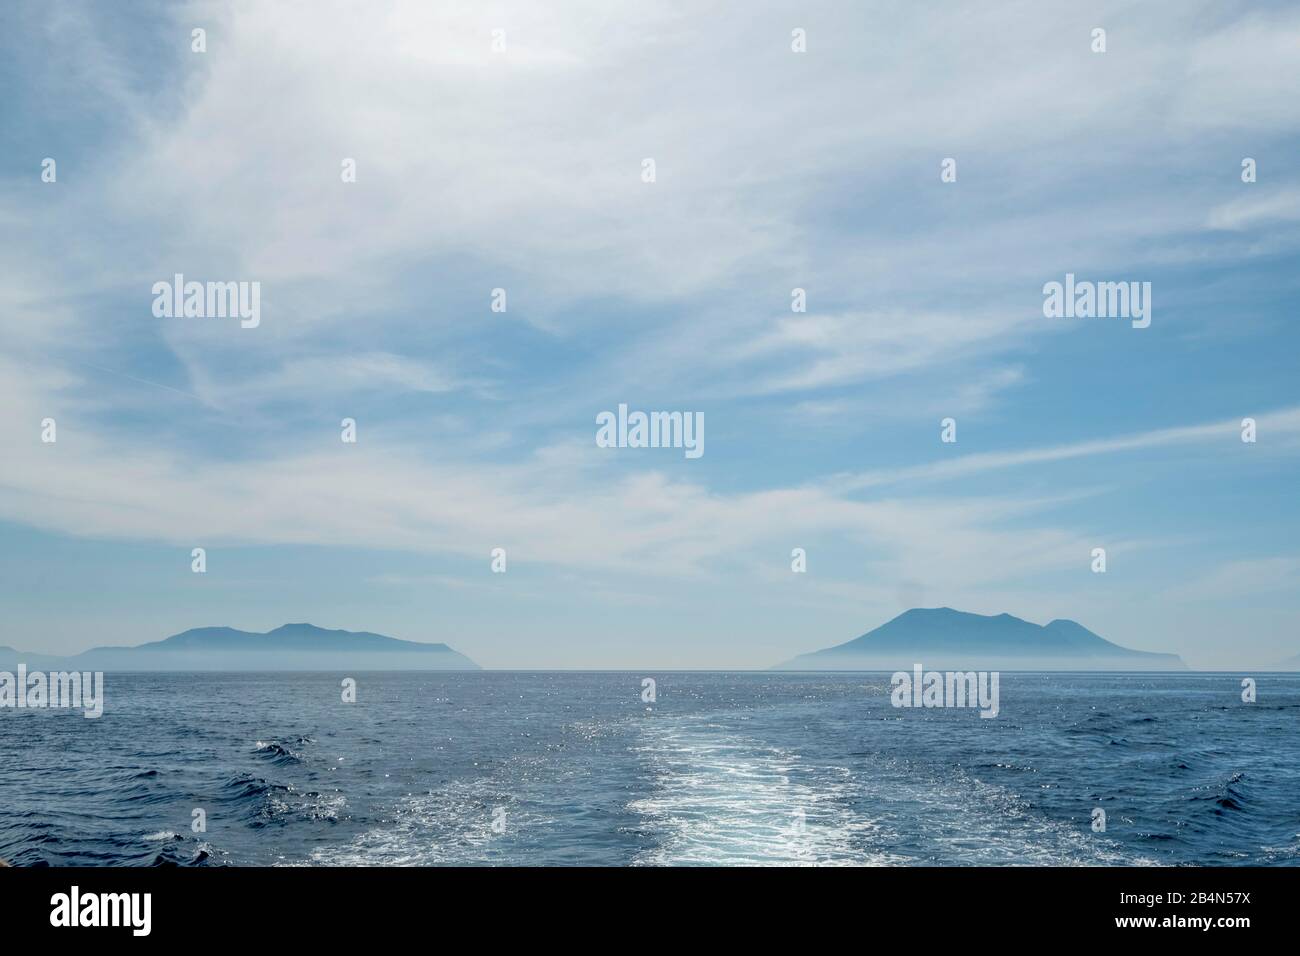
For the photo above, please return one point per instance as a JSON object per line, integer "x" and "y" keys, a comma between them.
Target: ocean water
{"x": 574, "y": 768}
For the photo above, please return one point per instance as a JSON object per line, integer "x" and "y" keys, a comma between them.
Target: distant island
{"x": 946, "y": 638}
{"x": 297, "y": 647}
{"x": 1290, "y": 664}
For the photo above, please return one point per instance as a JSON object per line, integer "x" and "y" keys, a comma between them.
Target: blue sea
{"x": 561, "y": 768}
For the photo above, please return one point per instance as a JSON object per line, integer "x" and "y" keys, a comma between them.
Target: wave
{"x": 277, "y": 752}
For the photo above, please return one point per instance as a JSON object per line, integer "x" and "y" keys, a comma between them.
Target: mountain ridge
{"x": 945, "y": 636}
{"x": 295, "y": 646}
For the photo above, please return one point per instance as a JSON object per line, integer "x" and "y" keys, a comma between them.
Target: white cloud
{"x": 1266, "y": 207}
{"x": 1282, "y": 423}
{"x": 524, "y": 165}
{"x": 1232, "y": 580}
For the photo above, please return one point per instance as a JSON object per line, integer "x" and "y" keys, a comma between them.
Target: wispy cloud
{"x": 1284, "y": 422}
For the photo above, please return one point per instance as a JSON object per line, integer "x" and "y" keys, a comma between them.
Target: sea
{"x": 585, "y": 768}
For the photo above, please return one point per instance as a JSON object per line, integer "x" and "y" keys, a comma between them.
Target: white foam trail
{"x": 724, "y": 800}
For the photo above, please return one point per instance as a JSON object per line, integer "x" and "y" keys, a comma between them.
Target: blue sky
{"x": 521, "y": 169}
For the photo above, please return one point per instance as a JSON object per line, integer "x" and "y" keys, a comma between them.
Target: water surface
{"x": 745, "y": 768}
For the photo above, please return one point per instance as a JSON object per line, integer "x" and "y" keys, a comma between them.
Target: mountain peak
{"x": 301, "y": 627}
{"x": 945, "y": 636}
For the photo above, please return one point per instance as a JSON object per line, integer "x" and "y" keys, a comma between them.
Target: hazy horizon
{"x": 874, "y": 661}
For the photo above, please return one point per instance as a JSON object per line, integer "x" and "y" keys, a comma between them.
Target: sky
{"x": 503, "y": 146}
